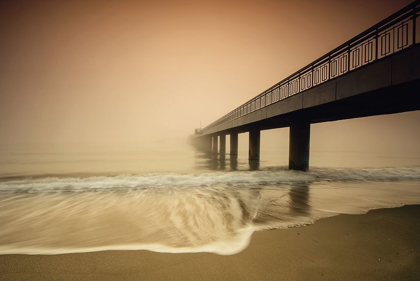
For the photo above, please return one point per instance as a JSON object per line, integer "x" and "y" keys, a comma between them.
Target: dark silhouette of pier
{"x": 377, "y": 72}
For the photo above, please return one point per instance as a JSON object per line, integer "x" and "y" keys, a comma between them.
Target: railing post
{"x": 348, "y": 58}
{"x": 376, "y": 45}
{"x": 298, "y": 83}
{"x": 329, "y": 67}
{"x": 313, "y": 76}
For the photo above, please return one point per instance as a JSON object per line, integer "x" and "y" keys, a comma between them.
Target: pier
{"x": 377, "y": 72}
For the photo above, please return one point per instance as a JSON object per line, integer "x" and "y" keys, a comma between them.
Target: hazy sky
{"x": 133, "y": 71}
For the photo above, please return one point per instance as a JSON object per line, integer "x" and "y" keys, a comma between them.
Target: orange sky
{"x": 133, "y": 71}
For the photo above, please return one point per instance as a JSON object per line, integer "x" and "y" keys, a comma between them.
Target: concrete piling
{"x": 215, "y": 144}
{"x": 254, "y": 145}
{"x": 222, "y": 144}
{"x": 299, "y": 145}
{"x": 234, "y": 144}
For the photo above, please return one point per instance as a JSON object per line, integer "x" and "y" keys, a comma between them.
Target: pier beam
{"x": 222, "y": 144}
{"x": 215, "y": 148}
{"x": 234, "y": 144}
{"x": 299, "y": 145}
{"x": 254, "y": 145}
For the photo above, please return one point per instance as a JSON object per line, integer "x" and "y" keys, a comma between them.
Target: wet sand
{"x": 380, "y": 245}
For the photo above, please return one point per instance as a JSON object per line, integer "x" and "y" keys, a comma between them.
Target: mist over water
{"x": 173, "y": 198}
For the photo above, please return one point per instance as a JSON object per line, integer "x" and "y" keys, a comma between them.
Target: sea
{"x": 171, "y": 197}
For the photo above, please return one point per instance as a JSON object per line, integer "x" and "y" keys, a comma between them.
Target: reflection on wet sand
{"x": 299, "y": 199}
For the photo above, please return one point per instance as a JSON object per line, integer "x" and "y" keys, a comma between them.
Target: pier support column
{"x": 254, "y": 145}
{"x": 209, "y": 145}
{"x": 222, "y": 144}
{"x": 299, "y": 145}
{"x": 234, "y": 145}
{"x": 215, "y": 144}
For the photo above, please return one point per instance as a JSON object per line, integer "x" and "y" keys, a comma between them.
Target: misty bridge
{"x": 377, "y": 72}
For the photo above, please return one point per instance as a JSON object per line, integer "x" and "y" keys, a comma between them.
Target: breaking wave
{"x": 268, "y": 176}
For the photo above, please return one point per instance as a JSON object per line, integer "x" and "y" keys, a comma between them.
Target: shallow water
{"x": 49, "y": 204}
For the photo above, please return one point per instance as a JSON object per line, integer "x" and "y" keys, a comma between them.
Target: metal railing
{"x": 393, "y": 34}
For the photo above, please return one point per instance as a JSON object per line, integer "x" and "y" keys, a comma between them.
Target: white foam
{"x": 230, "y": 246}
{"x": 235, "y": 179}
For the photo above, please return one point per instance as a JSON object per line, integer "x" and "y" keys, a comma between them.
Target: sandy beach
{"x": 380, "y": 245}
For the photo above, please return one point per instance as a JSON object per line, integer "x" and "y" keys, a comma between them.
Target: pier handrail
{"x": 391, "y": 35}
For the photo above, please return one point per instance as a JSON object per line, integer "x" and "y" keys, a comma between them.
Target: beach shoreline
{"x": 383, "y": 244}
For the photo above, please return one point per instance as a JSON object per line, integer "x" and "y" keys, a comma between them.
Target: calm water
{"x": 168, "y": 197}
